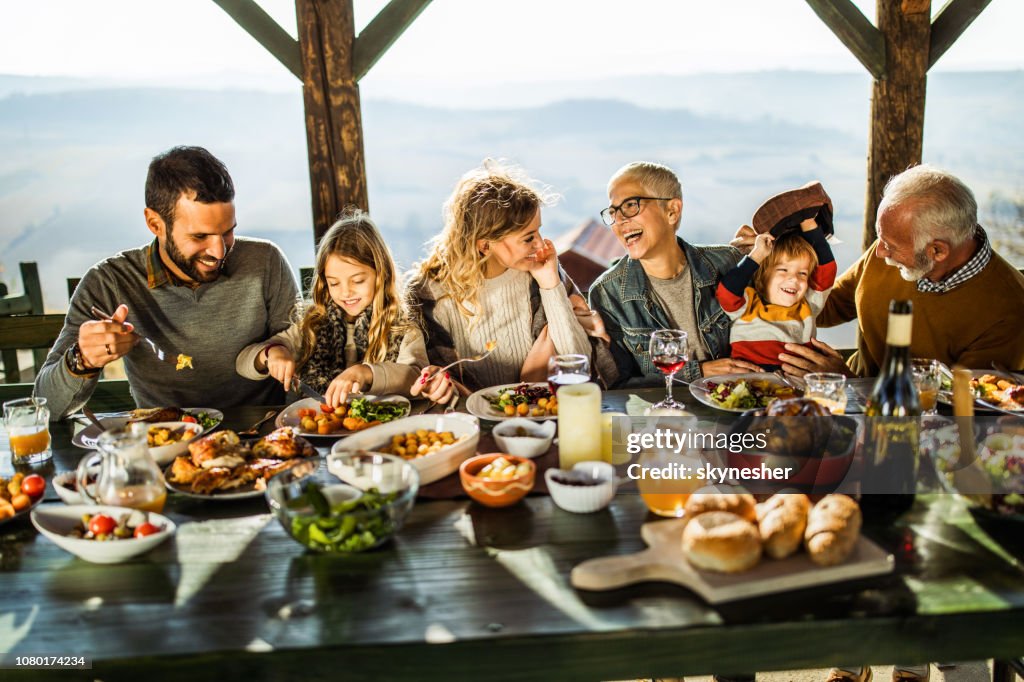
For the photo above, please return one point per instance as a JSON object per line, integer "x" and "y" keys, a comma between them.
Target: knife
{"x": 304, "y": 388}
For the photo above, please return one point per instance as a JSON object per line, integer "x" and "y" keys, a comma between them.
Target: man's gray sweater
{"x": 251, "y": 300}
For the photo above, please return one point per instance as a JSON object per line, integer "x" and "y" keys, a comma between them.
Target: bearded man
{"x": 196, "y": 289}
{"x": 930, "y": 250}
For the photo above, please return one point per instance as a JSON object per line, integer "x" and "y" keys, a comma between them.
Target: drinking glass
{"x": 27, "y": 421}
{"x": 927, "y": 378}
{"x": 566, "y": 370}
{"x": 827, "y": 388}
{"x": 669, "y": 353}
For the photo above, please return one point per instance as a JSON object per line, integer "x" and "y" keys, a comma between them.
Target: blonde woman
{"x": 355, "y": 333}
{"x": 491, "y": 276}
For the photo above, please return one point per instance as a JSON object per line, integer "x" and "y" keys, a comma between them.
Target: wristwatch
{"x": 76, "y": 364}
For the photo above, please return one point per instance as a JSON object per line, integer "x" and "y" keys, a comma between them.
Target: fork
{"x": 146, "y": 341}
{"x": 254, "y": 430}
{"x": 491, "y": 345}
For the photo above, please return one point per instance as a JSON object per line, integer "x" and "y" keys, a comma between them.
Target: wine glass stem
{"x": 668, "y": 387}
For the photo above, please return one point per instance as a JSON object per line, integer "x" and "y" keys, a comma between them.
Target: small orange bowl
{"x": 496, "y": 493}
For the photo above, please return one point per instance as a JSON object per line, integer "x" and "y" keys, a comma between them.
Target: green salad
{"x": 350, "y": 526}
{"x": 379, "y": 411}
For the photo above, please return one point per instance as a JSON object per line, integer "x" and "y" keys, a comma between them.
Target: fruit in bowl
{"x": 358, "y": 505}
{"x": 102, "y": 534}
{"x": 497, "y": 479}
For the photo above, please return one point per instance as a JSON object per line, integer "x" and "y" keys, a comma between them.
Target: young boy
{"x": 773, "y": 295}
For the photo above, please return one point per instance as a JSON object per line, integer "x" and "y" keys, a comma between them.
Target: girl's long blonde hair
{"x": 489, "y": 202}
{"x": 355, "y": 237}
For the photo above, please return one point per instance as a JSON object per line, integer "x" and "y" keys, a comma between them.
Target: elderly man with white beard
{"x": 968, "y": 301}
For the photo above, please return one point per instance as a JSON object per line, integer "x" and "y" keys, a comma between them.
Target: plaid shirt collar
{"x": 966, "y": 271}
{"x": 157, "y": 274}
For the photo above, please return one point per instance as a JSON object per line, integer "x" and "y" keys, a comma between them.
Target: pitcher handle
{"x": 82, "y": 476}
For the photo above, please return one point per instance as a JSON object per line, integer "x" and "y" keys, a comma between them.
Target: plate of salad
{"x": 361, "y": 412}
{"x": 741, "y": 392}
{"x": 525, "y": 400}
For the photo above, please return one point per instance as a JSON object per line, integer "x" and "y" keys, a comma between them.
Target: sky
{"x": 194, "y": 42}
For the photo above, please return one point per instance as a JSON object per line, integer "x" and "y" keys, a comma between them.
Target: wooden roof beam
{"x": 950, "y": 23}
{"x": 266, "y": 31}
{"x": 381, "y": 33}
{"x": 855, "y": 31}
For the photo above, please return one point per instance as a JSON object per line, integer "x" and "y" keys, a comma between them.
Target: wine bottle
{"x": 893, "y": 419}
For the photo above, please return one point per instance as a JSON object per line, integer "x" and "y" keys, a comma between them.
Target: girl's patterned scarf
{"x": 328, "y": 358}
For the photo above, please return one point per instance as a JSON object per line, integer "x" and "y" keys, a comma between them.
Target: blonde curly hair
{"x": 489, "y": 202}
{"x": 355, "y": 237}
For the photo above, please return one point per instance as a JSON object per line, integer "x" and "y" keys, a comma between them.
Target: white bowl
{"x": 55, "y": 522}
{"x": 537, "y": 442}
{"x": 62, "y": 483}
{"x": 431, "y": 467}
{"x": 582, "y": 499}
{"x": 165, "y": 454}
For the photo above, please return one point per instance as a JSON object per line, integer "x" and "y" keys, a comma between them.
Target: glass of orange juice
{"x": 827, "y": 388}
{"x": 660, "y": 483}
{"x": 27, "y": 421}
{"x": 927, "y": 378}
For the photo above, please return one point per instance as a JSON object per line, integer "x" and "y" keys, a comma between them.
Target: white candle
{"x": 579, "y": 424}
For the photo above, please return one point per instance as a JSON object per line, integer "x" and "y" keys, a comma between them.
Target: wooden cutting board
{"x": 664, "y": 560}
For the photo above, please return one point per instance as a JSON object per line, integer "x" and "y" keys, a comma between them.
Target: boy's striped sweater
{"x": 761, "y": 329}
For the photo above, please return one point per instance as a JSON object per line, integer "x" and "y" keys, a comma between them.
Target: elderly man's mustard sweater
{"x": 977, "y": 322}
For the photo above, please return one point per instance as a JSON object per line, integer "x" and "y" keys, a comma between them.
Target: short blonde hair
{"x": 789, "y": 246}
{"x": 656, "y": 179}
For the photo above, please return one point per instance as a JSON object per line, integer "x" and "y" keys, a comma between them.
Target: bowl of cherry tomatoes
{"x": 102, "y": 534}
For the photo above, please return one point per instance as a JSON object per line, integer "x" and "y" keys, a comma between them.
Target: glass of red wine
{"x": 567, "y": 369}
{"x": 669, "y": 353}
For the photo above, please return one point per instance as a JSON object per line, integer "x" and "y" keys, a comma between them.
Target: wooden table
{"x": 466, "y": 592}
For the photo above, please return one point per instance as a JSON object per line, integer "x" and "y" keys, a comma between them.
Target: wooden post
{"x": 334, "y": 127}
{"x": 897, "y": 100}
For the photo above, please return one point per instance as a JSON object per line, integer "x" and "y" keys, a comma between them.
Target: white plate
{"x": 86, "y": 438}
{"x": 56, "y": 521}
{"x": 289, "y": 416}
{"x": 479, "y": 404}
{"x": 431, "y": 467}
{"x": 946, "y": 397}
{"x": 249, "y": 491}
{"x": 698, "y": 389}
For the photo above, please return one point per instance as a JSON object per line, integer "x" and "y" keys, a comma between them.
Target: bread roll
{"x": 721, "y": 541}
{"x": 782, "y": 520}
{"x": 742, "y": 505}
{"x": 833, "y": 527}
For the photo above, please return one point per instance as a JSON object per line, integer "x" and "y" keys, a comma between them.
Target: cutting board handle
{"x": 609, "y": 573}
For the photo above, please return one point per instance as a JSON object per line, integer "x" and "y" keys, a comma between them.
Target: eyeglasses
{"x": 627, "y": 209}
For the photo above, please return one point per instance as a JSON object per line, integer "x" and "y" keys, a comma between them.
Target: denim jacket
{"x": 630, "y": 312}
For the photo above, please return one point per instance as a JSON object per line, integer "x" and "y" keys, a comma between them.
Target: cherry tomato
{"x": 189, "y": 418}
{"x": 326, "y": 409}
{"x": 101, "y": 524}
{"x": 33, "y": 485}
{"x": 144, "y": 529}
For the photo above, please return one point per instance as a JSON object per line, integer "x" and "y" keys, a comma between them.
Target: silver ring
{"x": 107, "y": 347}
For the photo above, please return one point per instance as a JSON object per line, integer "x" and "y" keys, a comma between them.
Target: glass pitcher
{"x": 128, "y": 476}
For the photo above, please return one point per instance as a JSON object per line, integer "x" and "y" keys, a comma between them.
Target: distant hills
{"x": 73, "y": 153}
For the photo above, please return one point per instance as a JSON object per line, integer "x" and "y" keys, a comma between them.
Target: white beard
{"x": 915, "y": 273}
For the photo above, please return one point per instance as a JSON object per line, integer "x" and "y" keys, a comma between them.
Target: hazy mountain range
{"x": 73, "y": 155}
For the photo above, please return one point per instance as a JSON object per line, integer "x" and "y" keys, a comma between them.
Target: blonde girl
{"x": 491, "y": 276}
{"x": 354, "y": 334}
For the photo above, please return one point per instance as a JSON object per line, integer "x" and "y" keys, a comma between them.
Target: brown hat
{"x": 784, "y": 212}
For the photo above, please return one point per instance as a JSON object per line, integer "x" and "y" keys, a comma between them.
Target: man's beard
{"x": 922, "y": 266}
{"x": 188, "y": 265}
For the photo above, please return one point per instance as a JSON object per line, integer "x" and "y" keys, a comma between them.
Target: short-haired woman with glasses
{"x": 491, "y": 276}
{"x": 663, "y": 282}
